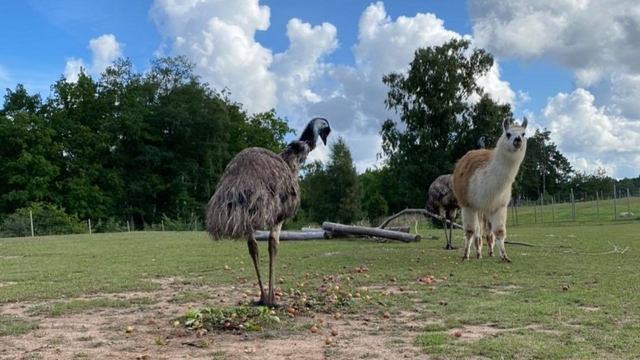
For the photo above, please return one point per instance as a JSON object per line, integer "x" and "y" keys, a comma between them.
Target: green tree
{"x": 431, "y": 99}
{"x": 544, "y": 169}
{"x": 27, "y": 155}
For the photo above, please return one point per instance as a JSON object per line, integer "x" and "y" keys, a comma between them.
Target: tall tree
{"x": 431, "y": 99}
{"x": 544, "y": 170}
{"x": 27, "y": 156}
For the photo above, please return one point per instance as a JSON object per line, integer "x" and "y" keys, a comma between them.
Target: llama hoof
{"x": 478, "y": 256}
{"x": 490, "y": 254}
{"x": 465, "y": 258}
{"x": 506, "y": 259}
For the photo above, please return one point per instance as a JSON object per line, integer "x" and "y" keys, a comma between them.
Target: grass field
{"x": 74, "y": 296}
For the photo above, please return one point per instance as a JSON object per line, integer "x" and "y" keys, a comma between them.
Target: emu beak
{"x": 324, "y": 133}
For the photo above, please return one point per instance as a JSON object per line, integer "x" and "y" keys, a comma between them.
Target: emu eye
{"x": 508, "y": 135}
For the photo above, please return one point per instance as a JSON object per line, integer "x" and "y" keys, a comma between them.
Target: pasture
{"x": 73, "y": 297}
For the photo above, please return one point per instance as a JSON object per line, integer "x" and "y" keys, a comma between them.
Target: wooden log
{"x": 415, "y": 211}
{"x": 369, "y": 231}
{"x": 294, "y": 235}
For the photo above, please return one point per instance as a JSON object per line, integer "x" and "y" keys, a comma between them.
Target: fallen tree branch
{"x": 369, "y": 231}
{"x": 519, "y": 243}
{"x": 614, "y": 251}
{"x": 415, "y": 211}
{"x": 295, "y": 235}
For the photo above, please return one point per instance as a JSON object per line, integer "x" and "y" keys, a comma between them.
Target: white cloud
{"x": 597, "y": 124}
{"x": 592, "y": 137}
{"x": 590, "y": 37}
{"x": 104, "y": 50}
{"x": 219, "y": 36}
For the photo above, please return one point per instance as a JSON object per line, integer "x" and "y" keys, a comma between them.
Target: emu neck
{"x": 295, "y": 154}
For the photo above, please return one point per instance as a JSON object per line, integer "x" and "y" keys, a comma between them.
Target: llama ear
{"x": 524, "y": 123}
{"x": 506, "y": 123}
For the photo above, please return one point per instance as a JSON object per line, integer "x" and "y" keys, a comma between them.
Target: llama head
{"x": 514, "y": 136}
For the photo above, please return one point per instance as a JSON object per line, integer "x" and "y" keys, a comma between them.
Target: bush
{"x": 48, "y": 219}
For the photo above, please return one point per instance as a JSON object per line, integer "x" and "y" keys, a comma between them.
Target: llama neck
{"x": 505, "y": 164}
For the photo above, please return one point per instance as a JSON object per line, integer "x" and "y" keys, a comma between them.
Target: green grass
{"x": 586, "y": 212}
{"x": 77, "y": 306}
{"x": 522, "y": 303}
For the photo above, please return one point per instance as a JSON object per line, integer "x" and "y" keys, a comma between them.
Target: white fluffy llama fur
{"x": 482, "y": 182}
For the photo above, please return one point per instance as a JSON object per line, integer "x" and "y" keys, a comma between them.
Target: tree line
{"x": 150, "y": 147}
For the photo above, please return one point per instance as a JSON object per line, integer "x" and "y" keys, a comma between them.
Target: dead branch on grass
{"x": 614, "y": 251}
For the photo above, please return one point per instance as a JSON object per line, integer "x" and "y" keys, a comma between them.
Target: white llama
{"x": 482, "y": 182}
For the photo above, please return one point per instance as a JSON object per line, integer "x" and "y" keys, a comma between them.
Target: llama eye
{"x": 508, "y": 135}
{"x": 523, "y": 134}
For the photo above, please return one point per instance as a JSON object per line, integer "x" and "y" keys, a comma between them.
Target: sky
{"x": 569, "y": 66}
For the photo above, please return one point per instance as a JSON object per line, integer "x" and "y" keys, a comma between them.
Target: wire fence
{"x": 45, "y": 224}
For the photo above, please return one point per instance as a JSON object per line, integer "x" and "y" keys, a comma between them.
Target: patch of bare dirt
{"x": 477, "y": 332}
{"x": 101, "y": 333}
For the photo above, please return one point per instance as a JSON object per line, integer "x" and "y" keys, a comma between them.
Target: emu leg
{"x": 448, "y": 238}
{"x": 274, "y": 241}
{"x": 253, "y": 251}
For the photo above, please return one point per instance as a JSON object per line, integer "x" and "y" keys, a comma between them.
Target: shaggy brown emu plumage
{"x": 259, "y": 190}
{"x": 443, "y": 202}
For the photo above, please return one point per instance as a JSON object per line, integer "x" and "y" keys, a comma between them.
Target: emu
{"x": 443, "y": 202}
{"x": 482, "y": 182}
{"x": 259, "y": 190}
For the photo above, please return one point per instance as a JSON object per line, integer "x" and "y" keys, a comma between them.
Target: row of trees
{"x": 130, "y": 146}
{"x": 144, "y": 147}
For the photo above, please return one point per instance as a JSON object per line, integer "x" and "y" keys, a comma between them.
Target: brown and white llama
{"x": 482, "y": 182}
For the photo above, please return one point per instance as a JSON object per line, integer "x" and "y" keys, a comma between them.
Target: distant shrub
{"x": 48, "y": 219}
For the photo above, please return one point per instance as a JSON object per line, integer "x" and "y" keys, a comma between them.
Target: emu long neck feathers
{"x": 297, "y": 151}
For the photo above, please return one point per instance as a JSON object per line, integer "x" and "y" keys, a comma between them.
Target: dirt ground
{"x": 101, "y": 334}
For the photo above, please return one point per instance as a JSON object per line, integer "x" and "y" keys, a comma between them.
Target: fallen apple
{"x": 129, "y": 329}
{"x": 314, "y": 329}
{"x": 457, "y": 333}
{"x": 334, "y": 332}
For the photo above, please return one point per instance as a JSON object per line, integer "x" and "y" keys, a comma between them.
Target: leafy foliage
{"x": 432, "y": 102}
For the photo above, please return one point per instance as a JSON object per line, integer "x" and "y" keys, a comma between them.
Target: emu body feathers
{"x": 259, "y": 190}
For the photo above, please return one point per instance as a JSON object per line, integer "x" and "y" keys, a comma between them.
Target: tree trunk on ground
{"x": 414, "y": 211}
{"x": 369, "y": 231}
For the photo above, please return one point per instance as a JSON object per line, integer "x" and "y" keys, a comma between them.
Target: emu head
{"x": 514, "y": 135}
{"x": 317, "y": 127}
{"x": 482, "y": 141}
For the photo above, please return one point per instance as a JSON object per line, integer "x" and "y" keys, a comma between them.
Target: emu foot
{"x": 264, "y": 302}
{"x": 450, "y": 247}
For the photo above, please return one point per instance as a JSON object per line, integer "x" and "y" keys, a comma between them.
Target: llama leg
{"x": 274, "y": 241}
{"x": 477, "y": 240}
{"x": 253, "y": 251}
{"x": 469, "y": 224}
{"x": 490, "y": 239}
{"x": 497, "y": 220}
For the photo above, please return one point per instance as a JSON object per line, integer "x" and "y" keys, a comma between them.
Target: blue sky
{"x": 42, "y": 36}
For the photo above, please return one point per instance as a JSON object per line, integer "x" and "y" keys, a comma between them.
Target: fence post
{"x": 615, "y": 203}
{"x": 162, "y": 222}
{"x": 89, "y": 221}
{"x": 628, "y": 203}
{"x": 573, "y": 206}
{"x": 128, "y": 227}
{"x": 541, "y": 206}
{"x": 553, "y": 211}
{"x": 31, "y": 221}
{"x": 597, "y": 205}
